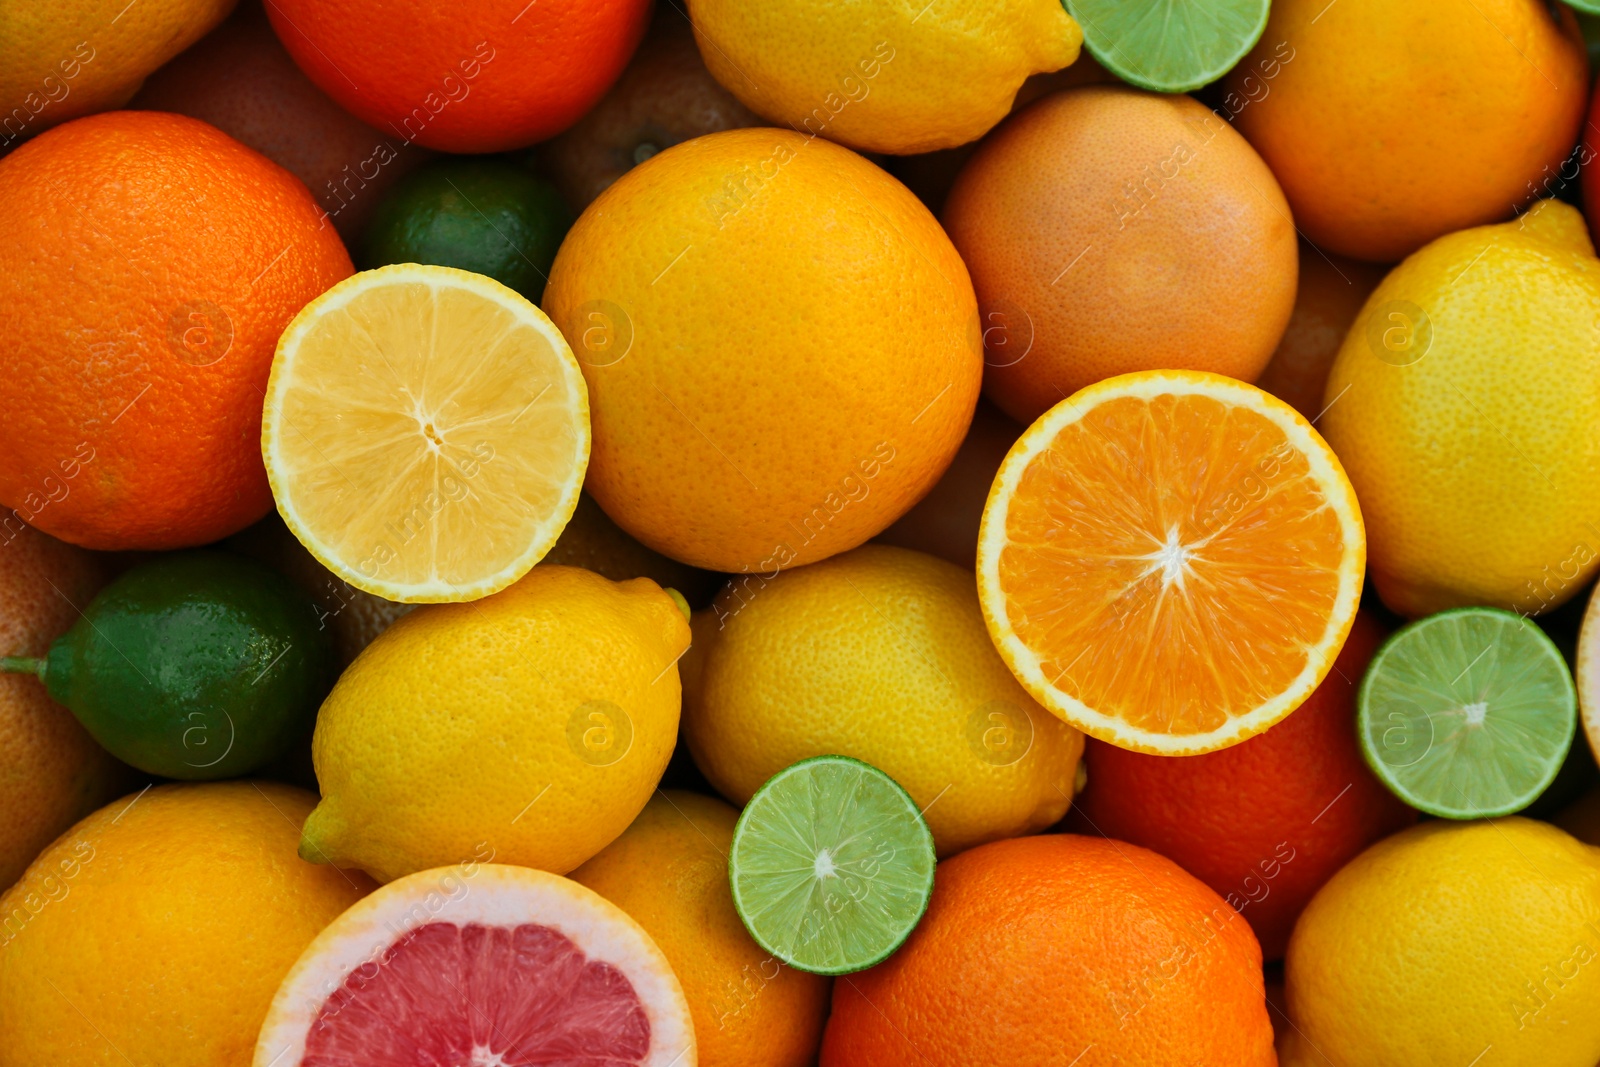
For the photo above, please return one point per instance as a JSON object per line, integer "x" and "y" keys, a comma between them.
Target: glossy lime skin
{"x": 483, "y": 215}
{"x": 197, "y": 665}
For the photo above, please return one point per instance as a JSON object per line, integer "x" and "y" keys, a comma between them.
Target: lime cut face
{"x": 1467, "y": 714}
{"x": 831, "y": 865}
{"x": 1169, "y": 46}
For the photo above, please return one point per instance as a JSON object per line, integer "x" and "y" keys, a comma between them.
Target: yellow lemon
{"x": 1463, "y": 405}
{"x": 669, "y": 872}
{"x": 880, "y": 654}
{"x": 1450, "y": 944}
{"x": 75, "y": 57}
{"x": 901, "y": 76}
{"x": 157, "y": 930}
{"x": 528, "y": 727}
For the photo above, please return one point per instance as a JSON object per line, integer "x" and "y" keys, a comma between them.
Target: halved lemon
{"x": 1170, "y": 560}
{"x": 426, "y": 432}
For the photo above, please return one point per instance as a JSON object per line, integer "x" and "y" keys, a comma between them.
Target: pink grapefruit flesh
{"x": 480, "y": 966}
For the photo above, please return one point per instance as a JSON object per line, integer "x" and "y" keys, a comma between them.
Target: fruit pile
{"x": 767, "y": 534}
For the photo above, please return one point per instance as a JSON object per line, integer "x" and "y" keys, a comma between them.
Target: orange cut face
{"x": 1170, "y": 560}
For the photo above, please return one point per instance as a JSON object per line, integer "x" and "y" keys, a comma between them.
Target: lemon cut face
{"x": 425, "y": 432}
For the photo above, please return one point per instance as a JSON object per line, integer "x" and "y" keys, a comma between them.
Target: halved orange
{"x": 426, "y": 432}
{"x": 1170, "y": 560}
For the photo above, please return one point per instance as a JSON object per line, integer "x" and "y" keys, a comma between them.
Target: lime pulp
{"x": 1468, "y": 713}
{"x": 1169, "y": 46}
{"x": 831, "y": 865}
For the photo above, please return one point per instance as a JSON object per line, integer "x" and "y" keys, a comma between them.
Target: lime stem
{"x": 22, "y": 665}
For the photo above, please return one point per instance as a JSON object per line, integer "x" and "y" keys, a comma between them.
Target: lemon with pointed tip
{"x": 529, "y": 727}
{"x": 1463, "y": 405}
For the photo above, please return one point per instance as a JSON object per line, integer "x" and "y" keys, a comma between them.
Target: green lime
{"x": 196, "y": 665}
{"x": 1170, "y": 46}
{"x": 483, "y": 215}
{"x": 831, "y": 865}
{"x": 1467, "y": 713}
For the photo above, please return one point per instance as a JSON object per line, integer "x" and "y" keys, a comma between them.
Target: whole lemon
{"x": 1449, "y": 940}
{"x": 669, "y": 871}
{"x": 75, "y": 57}
{"x": 528, "y": 727}
{"x": 901, "y": 76}
{"x": 1463, "y": 405}
{"x": 156, "y": 930}
{"x": 781, "y": 347}
{"x": 880, "y": 654}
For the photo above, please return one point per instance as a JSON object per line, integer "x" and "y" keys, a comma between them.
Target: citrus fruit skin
{"x": 1447, "y": 938}
{"x": 1330, "y": 293}
{"x": 1440, "y": 360}
{"x": 879, "y": 654}
{"x": 487, "y": 216}
{"x": 535, "y": 722}
{"x": 51, "y": 771}
{"x": 166, "y": 920}
{"x": 480, "y": 962}
{"x": 777, "y": 369}
{"x": 1145, "y": 531}
{"x": 1266, "y": 822}
{"x": 74, "y": 58}
{"x": 195, "y": 665}
{"x": 240, "y": 80}
{"x": 1586, "y": 676}
{"x": 669, "y": 871}
{"x": 189, "y": 254}
{"x": 885, "y": 76}
{"x": 1129, "y": 960}
{"x": 665, "y": 97}
{"x": 483, "y": 76}
{"x": 1382, "y": 146}
{"x": 1087, "y": 223}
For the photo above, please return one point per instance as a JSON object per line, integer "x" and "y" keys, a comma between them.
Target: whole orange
{"x": 1037, "y": 950}
{"x": 780, "y": 343}
{"x": 669, "y": 872}
{"x": 666, "y": 96}
{"x": 1263, "y": 823}
{"x": 240, "y": 79}
{"x": 1110, "y": 230}
{"x": 1392, "y": 124}
{"x": 51, "y": 771}
{"x": 471, "y": 76}
{"x": 1331, "y": 291}
{"x": 148, "y": 263}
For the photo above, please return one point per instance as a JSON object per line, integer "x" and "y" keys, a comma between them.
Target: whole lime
{"x": 196, "y": 665}
{"x": 483, "y": 215}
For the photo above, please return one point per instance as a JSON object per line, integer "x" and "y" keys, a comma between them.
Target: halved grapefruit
{"x": 480, "y": 965}
{"x": 1170, "y": 560}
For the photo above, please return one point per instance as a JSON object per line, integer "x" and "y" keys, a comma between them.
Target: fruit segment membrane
{"x": 481, "y": 996}
{"x": 1173, "y": 562}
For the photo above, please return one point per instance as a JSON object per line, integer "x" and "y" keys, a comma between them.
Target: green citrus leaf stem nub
{"x": 831, "y": 865}
{"x": 1467, "y": 714}
{"x": 22, "y": 665}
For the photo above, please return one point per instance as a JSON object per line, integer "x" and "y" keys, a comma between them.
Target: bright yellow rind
{"x": 1026, "y": 662}
{"x": 425, "y": 432}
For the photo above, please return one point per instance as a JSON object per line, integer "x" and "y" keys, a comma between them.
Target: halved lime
{"x": 1170, "y": 46}
{"x": 831, "y": 865}
{"x": 1467, "y": 713}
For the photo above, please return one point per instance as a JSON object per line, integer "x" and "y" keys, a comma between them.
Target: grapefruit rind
{"x": 1026, "y": 663}
{"x": 494, "y": 895}
{"x": 275, "y": 428}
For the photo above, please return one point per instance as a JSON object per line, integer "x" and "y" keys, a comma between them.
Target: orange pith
{"x": 1170, "y": 560}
